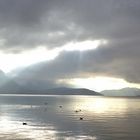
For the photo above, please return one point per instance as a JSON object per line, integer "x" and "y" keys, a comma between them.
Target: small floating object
{"x": 24, "y": 123}
{"x": 81, "y": 118}
{"x": 60, "y": 106}
{"x": 78, "y": 110}
{"x": 45, "y": 103}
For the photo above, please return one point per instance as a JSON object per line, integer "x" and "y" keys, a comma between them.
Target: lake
{"x": 69, "y": 118}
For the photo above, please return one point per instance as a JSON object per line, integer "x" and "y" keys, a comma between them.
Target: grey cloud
{"x": 118, "y": 59}
{"x": 52, "y": 23}
{"x": 29, "y": 23}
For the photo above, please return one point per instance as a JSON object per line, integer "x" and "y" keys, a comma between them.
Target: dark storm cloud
{"x": 113, "y": 60}
{"x": 29, "y": 23}
{"x": 25, "y": 24}
{"x": 48, "y": 73}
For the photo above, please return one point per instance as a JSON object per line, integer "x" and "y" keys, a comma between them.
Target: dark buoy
{"x": 78, "y": 110}
{"x": 24, "y": 123}
{"x": 45, "y": 103}
{"x": 81, "y": 118}
{"x": 60, "y": 106}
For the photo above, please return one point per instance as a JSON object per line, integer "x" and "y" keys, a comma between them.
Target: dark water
{"x": 58, "y": 118}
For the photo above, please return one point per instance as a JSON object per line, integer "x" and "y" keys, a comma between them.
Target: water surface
{"x": 58, "y": 118}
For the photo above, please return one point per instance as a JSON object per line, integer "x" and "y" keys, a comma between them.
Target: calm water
{"x": 103, "y": 118}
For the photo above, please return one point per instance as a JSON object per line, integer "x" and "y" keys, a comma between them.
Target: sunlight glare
{"x": 99, "y": 83}
{"x": 85, "y": 45}
{"x": 9, "y": 62}
{"x": 100, "y": 105}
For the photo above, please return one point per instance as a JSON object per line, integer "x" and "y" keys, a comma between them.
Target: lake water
{"x": 58, "y": 118}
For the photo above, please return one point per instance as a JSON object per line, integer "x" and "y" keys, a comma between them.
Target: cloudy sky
{"x": 92, "y": 44}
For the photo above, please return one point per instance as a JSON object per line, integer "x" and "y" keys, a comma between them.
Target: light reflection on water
{"x": 103, "y": 118}
{"x": 102, "y": 105}
{"x": 12, "y": 129}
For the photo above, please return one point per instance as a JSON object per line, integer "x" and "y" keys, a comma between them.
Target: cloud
{"x": 118, "y": 59}
{"x": 31, "y": 23}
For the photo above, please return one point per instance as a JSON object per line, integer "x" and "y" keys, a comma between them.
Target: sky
{"x": 91, "y": 44}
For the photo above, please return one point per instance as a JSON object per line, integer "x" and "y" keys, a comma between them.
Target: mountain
{"x": 8, "y": 85}
{"x": 11, "y": 87}
{"x": 122, "y": 92}
{"x": 72, "y": 91}
{"x": 3, "y": 78}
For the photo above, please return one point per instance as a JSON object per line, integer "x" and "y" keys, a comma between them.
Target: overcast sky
{"x": 85, "y": 43}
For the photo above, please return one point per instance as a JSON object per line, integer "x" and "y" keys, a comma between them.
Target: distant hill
{"x": 10, "y": 86}
{"x": 122, "y": 92}
{"x": 72, "y": 91}
{"x": 3, "y": 78}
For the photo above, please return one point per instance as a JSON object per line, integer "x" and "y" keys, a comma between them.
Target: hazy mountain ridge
{"x": 3, "y": 78}
{"x": 122, "y": 92}
{"x": 10, "y": 86}
{"x": 72, "y": 91}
